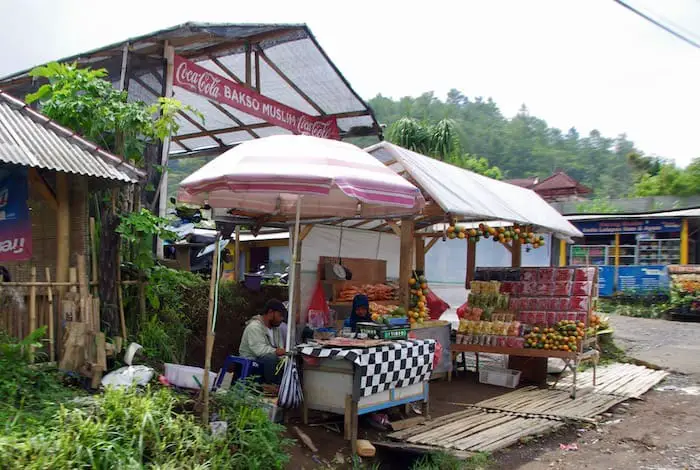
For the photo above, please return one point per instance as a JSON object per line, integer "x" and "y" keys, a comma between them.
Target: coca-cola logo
{"x": 203, "y": 82}
{"x": 315, "y": 128}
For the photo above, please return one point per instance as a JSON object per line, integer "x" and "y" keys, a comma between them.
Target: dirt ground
{"x": 659, "y": 432}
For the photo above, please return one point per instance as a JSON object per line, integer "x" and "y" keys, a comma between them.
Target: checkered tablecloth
{"x": 395, "y": 365}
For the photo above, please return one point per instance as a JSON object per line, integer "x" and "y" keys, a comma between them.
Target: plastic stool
{"x": 248, "y": 367}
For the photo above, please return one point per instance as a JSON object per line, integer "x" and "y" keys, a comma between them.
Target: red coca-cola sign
{"x": 201, "y": 81}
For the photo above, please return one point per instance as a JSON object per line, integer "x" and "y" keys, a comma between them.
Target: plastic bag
{"x": 438, "y": 355}
{"x": 436, "y": 306}
{"x": 319, "y": 312}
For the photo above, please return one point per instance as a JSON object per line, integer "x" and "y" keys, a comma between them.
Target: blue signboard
{"x": 642, "y": 278}
{"x": 608, "y": 227}
{"x": 637, "y": 279}
{"x": 15, "y": 223}
{"x": 606, "y": 281}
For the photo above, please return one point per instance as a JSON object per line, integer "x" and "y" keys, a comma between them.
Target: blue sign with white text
{"x": 638, "y": 279}
{"x": 632, "y": 226}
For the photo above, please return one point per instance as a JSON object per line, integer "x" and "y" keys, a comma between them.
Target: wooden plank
{"x": 396, "y": 228}
{"x": 62, "y": 228}
{"x": 93, "y": 249}
{"x": 32, "y": 308}
{"x": 405, "y": 261}
{"x": 305, "y": 231}
{"x": 420, "y": 254}
{"x": 471, "y": 263}
{"x": 421, "y": 449}
{"x": 431, "y": 244}
{"x": 407, "y": 423}
{"x": 516, "y": 253}
{"x": 52, "y": 339}
{"x": 524, "y": 352}
{"x": 38, "y": 183}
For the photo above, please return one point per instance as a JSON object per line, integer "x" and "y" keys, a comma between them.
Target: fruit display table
{"x": 358, "y": 381}
{"x": 571, "y": 359}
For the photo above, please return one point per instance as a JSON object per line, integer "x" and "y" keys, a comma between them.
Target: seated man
{"x": 257, "y": 343}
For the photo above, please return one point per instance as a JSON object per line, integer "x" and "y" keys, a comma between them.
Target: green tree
{"x": 82, "y": 100}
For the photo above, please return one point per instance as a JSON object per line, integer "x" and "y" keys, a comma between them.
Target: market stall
{"x": 531, "y": 314}
{"x": 357, "y": 377}
{"x": 304, "y": 179}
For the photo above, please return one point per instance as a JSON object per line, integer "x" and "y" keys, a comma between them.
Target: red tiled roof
{"x": 560, "y": 181}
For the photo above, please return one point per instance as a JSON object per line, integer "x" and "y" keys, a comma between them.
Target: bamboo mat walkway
{"x": 502, "y": 421}
{"x": 624, "y": 380}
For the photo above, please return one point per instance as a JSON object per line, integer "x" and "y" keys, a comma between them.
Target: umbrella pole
{"x": 213, "y": 291}
{"x": 291, "y": 320}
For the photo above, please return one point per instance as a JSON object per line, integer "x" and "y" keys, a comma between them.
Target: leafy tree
{"x": 82, "y": 100}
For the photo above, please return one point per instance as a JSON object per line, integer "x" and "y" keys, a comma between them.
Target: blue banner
{"x": 606, "y": 227}
{"x": 637, "y": 279}
{"x": 15, "y": 224}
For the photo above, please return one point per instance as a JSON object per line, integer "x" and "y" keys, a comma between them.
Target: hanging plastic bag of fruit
{"x": 436, "y": 306}
{"x": 319, "y": 312}
{"x": 438, "y": 355}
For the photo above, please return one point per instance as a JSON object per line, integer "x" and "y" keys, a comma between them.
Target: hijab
{"x": 360, "y": 300}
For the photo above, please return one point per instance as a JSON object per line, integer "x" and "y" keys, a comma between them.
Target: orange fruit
{"x": 412, "y": 281}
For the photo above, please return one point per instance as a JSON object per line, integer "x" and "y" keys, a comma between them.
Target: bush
{"x": 28, "y": 395}
{"x": 127, "y": 428}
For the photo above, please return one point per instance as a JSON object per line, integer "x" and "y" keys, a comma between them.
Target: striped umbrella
{"x": 271, "y": 176}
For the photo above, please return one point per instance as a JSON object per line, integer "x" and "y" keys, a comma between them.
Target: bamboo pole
{"x": 210, "y": 332}
{"x": 32, "y": 308}
{"x": 93, "y": 249}
{"x": 62, "y": 229}
{"x": 420, "y": 254}
{"x": 52, "y": 341}
{"x": 120, "y": 291}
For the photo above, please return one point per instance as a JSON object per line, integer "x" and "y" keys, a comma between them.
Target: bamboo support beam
{"x": 52, "y": 341}
{"x": 32, "y": 308}
{"x": 431, "y": 244}
{"x": 209, "y": 344}
{"x": 93, "y": 249}
{"x": 420, "y": 254}
{"x": 406, "y": 261}
{"x": 471, "y": 263}
{"x": 517, "y": 253}
{"x": 62, "y": 228}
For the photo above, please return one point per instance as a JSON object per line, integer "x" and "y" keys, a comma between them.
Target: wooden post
{"x": 169, "y": 55}
{"x": 420, "y": 254}
{"x": 684, "y": 242}
{"x": 32, "y": 308}
{"x": 406, "y": 261}
{"x": 62, "y": 229}
{"x": 471, "y": 263}
{"x": 120, "y": 291}
{"x": 562, "y": 253}
{"x": 209, "y": 345}
{"x": 237, "y": 254}
{"x": 516, "y": 253}
{"x": 52, "y": 345}
{"x": 93, "y": 249}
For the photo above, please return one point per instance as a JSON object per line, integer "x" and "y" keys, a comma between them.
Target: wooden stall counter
{"x": 357, "y": 381}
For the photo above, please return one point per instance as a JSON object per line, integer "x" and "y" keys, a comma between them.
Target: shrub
{"x": 130, "y": 429}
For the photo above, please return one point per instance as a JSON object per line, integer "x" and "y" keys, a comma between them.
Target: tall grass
{"x": 128, "y": 429}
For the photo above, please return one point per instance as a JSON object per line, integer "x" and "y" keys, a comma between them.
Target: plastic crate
{"x": 376, "y": 331}
{"x": 501, "y": 377}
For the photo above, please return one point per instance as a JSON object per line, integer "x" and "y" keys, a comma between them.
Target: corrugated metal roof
{"x": 303, "y": 77}
{"x": 31, "y": 139}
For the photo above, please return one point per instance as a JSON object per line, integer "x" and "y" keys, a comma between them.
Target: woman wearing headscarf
{"x": 360, "y": 312}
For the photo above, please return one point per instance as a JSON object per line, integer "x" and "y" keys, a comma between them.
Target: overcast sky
{"x": 583, "y": 63}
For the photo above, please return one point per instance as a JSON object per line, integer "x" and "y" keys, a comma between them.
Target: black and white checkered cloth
{"x": 395, "y": 365}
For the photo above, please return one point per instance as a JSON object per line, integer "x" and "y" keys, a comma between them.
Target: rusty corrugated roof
{"x": 31, "y": 139}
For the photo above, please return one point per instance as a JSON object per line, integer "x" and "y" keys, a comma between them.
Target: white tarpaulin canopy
{"x": 470, "y": 196}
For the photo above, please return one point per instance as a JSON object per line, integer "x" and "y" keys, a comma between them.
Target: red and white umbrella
{"x": 268, "y": 176}
{"x": 300, "y": 176}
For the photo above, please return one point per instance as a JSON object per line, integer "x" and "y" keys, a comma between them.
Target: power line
{"x": 660, "y": 25}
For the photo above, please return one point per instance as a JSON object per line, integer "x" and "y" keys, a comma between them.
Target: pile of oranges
{"x": 501, "y": 234}
{"x": 419, "y": 305}
{"x": 565, "y": 336}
